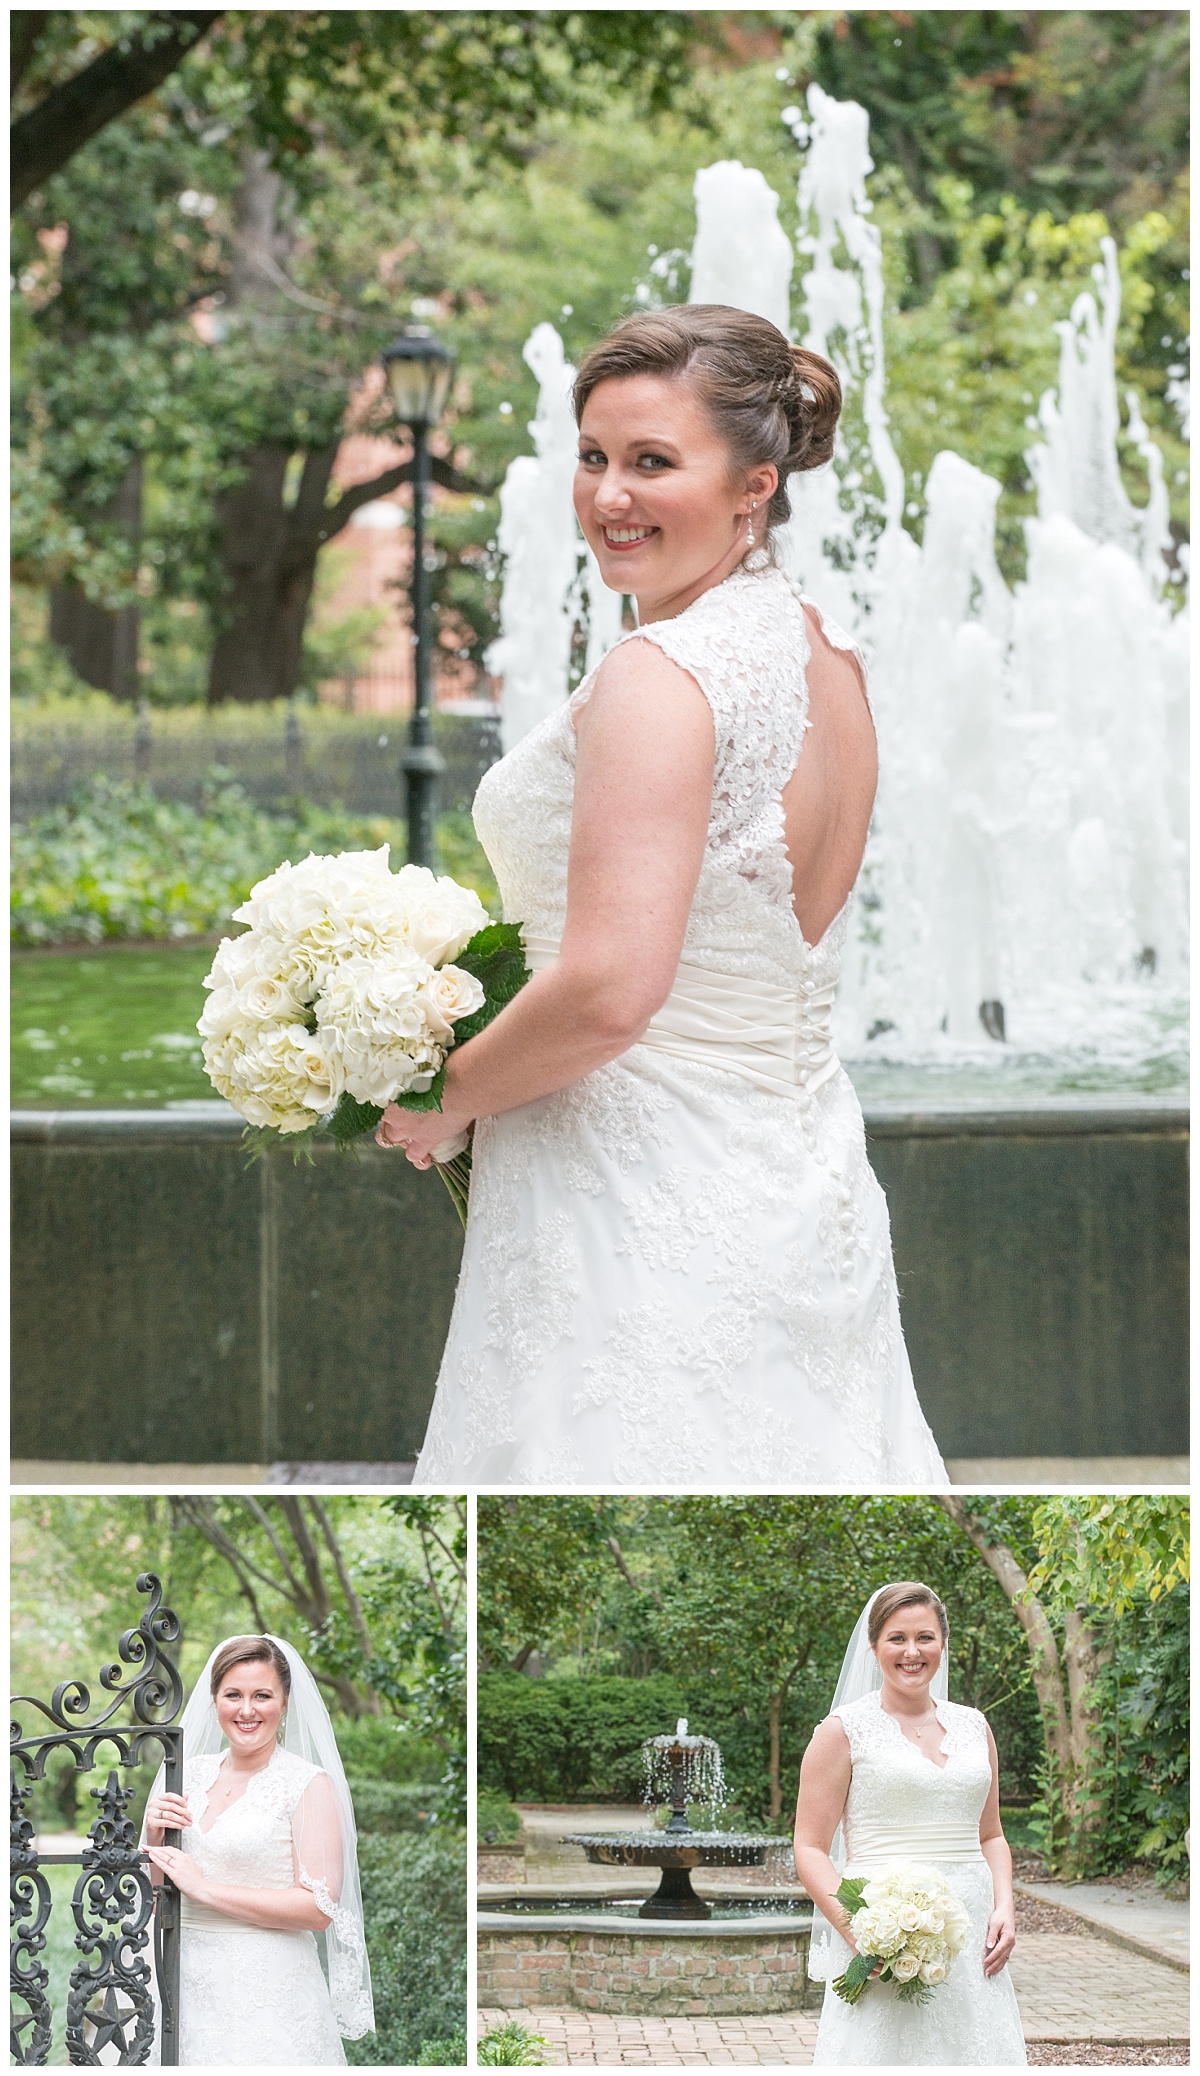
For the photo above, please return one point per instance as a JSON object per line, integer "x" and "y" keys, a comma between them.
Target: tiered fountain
{"x": 681, "y": 1770}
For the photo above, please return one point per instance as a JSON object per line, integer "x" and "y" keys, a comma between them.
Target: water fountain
{"x": 681, "y": 1769}
{"x": 1022, "y": 906}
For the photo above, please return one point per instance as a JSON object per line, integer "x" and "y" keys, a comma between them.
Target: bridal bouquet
{"x": 345, "y": 993}
{"x": 909, "y": 1919}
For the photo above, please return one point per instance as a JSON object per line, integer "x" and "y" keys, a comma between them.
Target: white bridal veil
{"x": 323, "y": 1830}
{"x": 860, "y": 1675}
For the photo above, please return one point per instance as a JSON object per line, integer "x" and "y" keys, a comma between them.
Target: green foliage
{"x": 118, "y": 861}
{"x": 448, "y": 2052}
{"x": 572, "y": 1740}
{"x": 1139, "y": 1771}
{"x": 498, "y": 1821}
{"x": 510, "y": 2046}
{"x": 541, "y": 1560}
{"x": 1110, "y": 1552}
{"x": 378, "y": 1746}
{"x": 415, "y": 1903}
{"x": 388, "y": 1807}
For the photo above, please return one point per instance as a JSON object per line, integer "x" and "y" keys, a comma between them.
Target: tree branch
{"x": 443, "y": 472}
{"x": 294, "y": 1590}
{"x": 344, "y": 1580}
{"x": 48, "y": 136}
{"x": 310, "y": 1558}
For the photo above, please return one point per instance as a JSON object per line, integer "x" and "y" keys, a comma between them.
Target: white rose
{"x": 449, "y": 995}
{"x": 909, "y": 1917}
{"x": 933, "y": 1972}
{"x": 905, "y": 1966}
{"x": 441, "y": 916}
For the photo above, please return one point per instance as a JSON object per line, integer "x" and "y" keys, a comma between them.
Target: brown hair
{"x": 247, "y": 1650}
{"x": 769, "y": 401}
{"x": 907, "y": 1593}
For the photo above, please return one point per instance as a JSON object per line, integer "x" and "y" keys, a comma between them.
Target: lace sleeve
{"x": 317, "y": 1843}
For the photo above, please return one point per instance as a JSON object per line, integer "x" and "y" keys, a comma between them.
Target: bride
{"x": 273, "y": 1963}
{"x": 678, "y": 1262}
{"x": 897, "y": 1773}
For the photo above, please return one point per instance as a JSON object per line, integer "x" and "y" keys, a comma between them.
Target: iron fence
{"x": 273, "y": 753}
{"x": 118, "y": 1910}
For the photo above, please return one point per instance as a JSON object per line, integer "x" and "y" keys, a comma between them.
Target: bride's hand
{"x": 182, "y": 1869}
{"x": 1000, "y": 1940}
{"x": 422, "y": 1133}
{"x": 166, "y": 1813}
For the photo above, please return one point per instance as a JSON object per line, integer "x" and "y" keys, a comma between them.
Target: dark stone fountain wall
{"x": 171, "y": 1305}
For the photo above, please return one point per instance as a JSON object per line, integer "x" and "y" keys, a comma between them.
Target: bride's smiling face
{"x": 661, "y": 504}
{"x": 909, "y": 1649}
{"x": 250, "y": 1705}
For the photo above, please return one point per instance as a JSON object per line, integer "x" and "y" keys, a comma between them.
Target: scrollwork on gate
{"x": 110, "y": 2000}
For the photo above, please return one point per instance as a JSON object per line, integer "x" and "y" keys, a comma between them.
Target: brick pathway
{"x": 1070, "y": 1988}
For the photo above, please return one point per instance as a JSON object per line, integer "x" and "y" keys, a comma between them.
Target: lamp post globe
{"x": 420, "y": 374}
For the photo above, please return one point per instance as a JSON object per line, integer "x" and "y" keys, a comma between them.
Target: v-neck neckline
{"x": 237, "y": 1800}
{"x": 911, "y": 1741}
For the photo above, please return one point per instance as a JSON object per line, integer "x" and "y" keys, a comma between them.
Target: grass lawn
{"x": 105, "y": 1028}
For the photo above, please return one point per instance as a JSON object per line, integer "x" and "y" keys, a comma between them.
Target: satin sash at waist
{"x": 870, "y": 1845}
{"x": 779, "y": 1038}
{"x": 201, "y": 1917}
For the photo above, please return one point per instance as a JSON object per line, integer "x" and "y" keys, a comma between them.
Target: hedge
{"x": 389, "y": 1807}
{"x": 415, "y": 1903}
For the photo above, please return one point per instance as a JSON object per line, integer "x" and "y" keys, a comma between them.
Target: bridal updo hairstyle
{"x": 768, "y": 400}
{"x": 907, "y": 1593}
{"x": 248, "y": 1650}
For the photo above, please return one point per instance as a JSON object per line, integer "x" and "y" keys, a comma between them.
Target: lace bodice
{"x": 250, "y": 1844}
{"x": 746, "y": 644}
{"x": 894, "y": 1787}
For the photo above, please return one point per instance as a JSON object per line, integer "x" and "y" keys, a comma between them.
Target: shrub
{"x": 510, "y": 2046}
{"x": 449, "y": 2052}
{"x": 566, "y": 1740}
{"x": 385, "y": 1749}
{"x": 1140, "y": 1775}
{"x": 119, "y": 862}
{"x": 388, "y": 1807}
{"x": 415, "y": 1903}
{"x": 498, "y": 1821}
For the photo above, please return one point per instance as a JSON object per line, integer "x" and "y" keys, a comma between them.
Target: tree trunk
{"x": 1064, "y": 1685}
{"x": 102, "y": 645}
{"x": 774, "y": 1712}
{"x": 270, "y": 567}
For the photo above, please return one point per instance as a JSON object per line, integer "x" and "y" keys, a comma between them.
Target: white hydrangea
{"x": 362, "y": 953}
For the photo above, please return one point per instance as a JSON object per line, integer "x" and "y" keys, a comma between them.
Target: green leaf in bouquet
{"x": 914, "y": 1992}
{"x": 425, "y": 1098}
{"x": 351, "y": 1120}
{"x": 850, "y": 1891}
{"x": 496, "y": 956}
{"x": 850, "y": 1986}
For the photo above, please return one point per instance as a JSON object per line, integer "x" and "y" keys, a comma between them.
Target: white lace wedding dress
{"x": 679, "y": 1268}
{"x": 248, "y": 1997}
{"x": 901, "y": 1806}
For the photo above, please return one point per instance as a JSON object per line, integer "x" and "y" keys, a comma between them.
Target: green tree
{"x": 252, "y": 416}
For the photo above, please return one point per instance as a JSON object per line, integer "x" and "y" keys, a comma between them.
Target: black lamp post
{"x": 420, "y": 371}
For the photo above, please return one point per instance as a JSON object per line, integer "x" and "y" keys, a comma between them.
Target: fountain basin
{"x": 677, "y": 1852}
{"x": 575, "y": 1956}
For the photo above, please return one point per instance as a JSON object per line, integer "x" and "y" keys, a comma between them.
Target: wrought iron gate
{"x": 118, "y": 1910}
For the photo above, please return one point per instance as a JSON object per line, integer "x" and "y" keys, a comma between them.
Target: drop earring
{"x": 750, "y": 527}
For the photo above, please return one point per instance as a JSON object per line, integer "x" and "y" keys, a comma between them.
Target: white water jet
{"x": 742, "y": 255}
{"x": 537, "y": 537}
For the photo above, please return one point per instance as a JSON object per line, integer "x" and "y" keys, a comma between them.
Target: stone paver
{"x": 1155, "y": 1924}
{"x": 782, "y": 2041}
{"x": 1080, "y": 1988}
{"x": 1071, "y": 1988}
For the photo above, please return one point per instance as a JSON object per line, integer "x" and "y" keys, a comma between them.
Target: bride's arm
{"x": 1002, "y": 1931}
{"x": 273, "y": 1910}
{"x": 643, "y": 790}
{"x": 824, "y": 1786}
